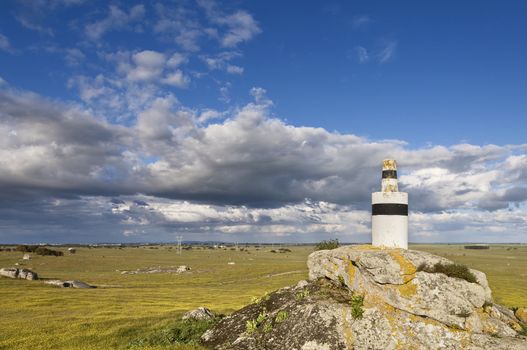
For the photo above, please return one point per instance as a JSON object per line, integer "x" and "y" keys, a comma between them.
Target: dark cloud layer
{"x": 63, "y": 167}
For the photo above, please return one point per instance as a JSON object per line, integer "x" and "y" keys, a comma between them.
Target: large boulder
{"x": 13, "y": 272}
{"x": 360, "y": 297}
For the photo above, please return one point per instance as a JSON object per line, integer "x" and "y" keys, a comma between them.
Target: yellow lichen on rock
{"x": 347, "y": 330}
{"x": 521, "y": 314}
{"x": 407, "y": 290}
{"x": 408, "y": 269}
{"x": 351, "y": 272}
{"x": 366, "y": 247}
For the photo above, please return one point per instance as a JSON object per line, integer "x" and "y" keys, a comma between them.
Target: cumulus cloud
{"x": 147, "y": 65}
{"x": 250, "y": 172}
{"x": 241, "y": 27}
{"x": 116, "y": 19}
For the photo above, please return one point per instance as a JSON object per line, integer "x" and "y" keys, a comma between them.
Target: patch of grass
{"x": 129, "y": 307}
{"x": 524, "y": 330}
{"x": 451, "y": 270}
{"x": 267, "y": 327}
{"x": 281, "y": 316}
{"x": 252, "y": 326}
{"x": 182, "y": 332}
{"x": 464, "y": 314}
{"x": 357, "y": 301}
{"x": 304, "y": 293}
{"x": 329, "y": 244}
{"x": 341, "y": 281}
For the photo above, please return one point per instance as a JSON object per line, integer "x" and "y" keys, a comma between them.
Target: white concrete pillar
{"x": 389, "y": 220}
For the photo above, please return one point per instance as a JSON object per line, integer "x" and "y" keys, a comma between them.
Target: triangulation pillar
{"x": 389, "y": 211}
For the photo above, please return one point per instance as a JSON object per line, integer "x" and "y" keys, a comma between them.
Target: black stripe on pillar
{"x": 389, "y": 209}
{"x": 389, "y": 174}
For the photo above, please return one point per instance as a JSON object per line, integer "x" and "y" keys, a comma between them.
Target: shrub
{"x": 182, "y": 332}
{"x": 46, "y": 251}
{"x": 451, "y": 270}
{"x": 327, "y": 245}
{"x": 26, "y": 248}
{"x": 356, "y": 306}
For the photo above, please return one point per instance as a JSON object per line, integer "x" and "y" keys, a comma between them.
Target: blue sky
{"x": 260, "y": 120}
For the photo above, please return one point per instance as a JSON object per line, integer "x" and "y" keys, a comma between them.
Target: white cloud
{"x": 116, "y": 19}
{"x": 234, "y": 69}
{"x": 177, "y": 79}
{"x": 221, "y": 62}
{"x": 361, "y": 21}
{"x": 387, "y": 51}
{"x": 4, "y": 43}
{"x": 241, "y": 27}
{"x": 148, "y": 65}
{"x": 27, "y": 23}
{"x": 177, "y": 60}
{"x": 362, "y": 54}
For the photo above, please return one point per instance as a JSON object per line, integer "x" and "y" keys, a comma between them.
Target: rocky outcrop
{"x": 69, "y": 284}
{"x": 201, "y": 313}
{"x": 360, "y": 297}
{"x": 13, "y": 272}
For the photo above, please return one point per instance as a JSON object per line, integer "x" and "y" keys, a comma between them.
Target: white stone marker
{"x": 389, "y": 212}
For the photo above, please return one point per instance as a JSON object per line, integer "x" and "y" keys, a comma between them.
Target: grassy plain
{"x": 127, "y": 307}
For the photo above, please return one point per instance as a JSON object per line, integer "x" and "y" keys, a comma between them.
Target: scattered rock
{"x": 360, "y": 297}
{"x": 72, "y": 250}
{"x": 26, "y": 257}
{"x": 201, "y": 313}
{"x": 158, "y": 269}
{"x": 13, "y": 272}
{"x": 69, "y": 284}
{"x": 182, "y": 268}
{"x": 231, "y": 263}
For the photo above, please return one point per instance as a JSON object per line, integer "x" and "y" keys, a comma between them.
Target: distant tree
{"x": 327, "y": 245}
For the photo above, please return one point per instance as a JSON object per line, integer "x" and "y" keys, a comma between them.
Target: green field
{"x": 127, "y": 307}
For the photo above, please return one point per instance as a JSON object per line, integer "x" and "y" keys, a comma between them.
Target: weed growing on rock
{"x": 302, "y": 294}
{"x": 251, "y": 326}
{"x": 451, "y": 270}
{"x": 281, "y": 316}
{"x": 356, "y": 306}
{"x": 341, "y": 281}
{"x": 267, "y": 327}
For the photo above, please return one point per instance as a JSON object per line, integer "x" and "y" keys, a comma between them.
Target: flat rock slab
{"x": 69, "y": 284}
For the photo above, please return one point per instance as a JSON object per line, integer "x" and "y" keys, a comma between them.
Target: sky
{"x": 260, "y": 121}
